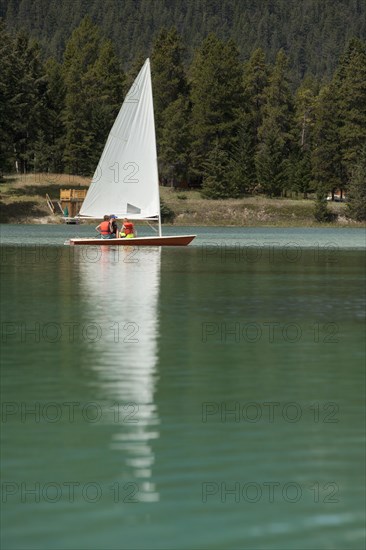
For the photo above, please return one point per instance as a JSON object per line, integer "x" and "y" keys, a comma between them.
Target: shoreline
{"x": 23, "y": 201}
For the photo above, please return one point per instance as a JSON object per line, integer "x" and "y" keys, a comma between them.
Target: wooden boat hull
{"x": 178, "y": 240}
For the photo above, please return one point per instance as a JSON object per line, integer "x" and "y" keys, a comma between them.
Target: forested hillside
{"x": 230, "y": 123}
{"x": 313, "y": 33}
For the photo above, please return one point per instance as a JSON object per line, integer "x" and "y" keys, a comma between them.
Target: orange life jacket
{"x": 128, "y": 228}
{"x": 104, "y": 228}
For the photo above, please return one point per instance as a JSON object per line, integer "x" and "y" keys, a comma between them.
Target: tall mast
{"x": 156, "y": 152}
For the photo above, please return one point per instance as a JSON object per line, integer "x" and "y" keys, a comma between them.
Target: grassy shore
{"x": 23, "y": 200}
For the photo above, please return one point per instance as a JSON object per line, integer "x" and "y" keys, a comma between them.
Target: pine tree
{"x": 171, "y": 106}
{"x": 304, "y": 112}
{"x": 217, "y": 178}
{"x": 25, "y": 133}
{"x": 8, "y": 84}
{"x": 29, "y": 101}
{"x": 275, "y": 137}
{"x": 242, "y": 161}
{"x": 104, "y": 82}
{"x": 216, "y": 94}
{"x": 299, "y": 171}
{"x": 256, "y": 74}
{"x": 350, "y": 84}
{"x": 255, "y": 81}
{"x": 80, "y": 55}
{"x": 326, "y": 153}
{"x": 55, "y": 97}
{"x": 271, "y": 163}
{"x": 94, "y": 90}
{"x": 357, "y": 189}
{"x": 300, "y": 161}
{"x": 175, "y": 141}
{"x": 168, "y": 76}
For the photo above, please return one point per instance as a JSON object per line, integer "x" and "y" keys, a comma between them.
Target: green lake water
{"x": 208, "y": 397}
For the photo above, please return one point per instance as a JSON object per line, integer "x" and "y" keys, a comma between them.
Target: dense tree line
{"x": 313, "y": 33}
{"x": 228, "y": 127}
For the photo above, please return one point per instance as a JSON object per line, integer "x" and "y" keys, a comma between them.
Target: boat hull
{"x": 177, "y": 240}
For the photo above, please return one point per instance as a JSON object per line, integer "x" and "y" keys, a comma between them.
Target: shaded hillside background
{"x": 313, "y": 33}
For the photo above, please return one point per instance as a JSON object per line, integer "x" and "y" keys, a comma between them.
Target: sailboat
{"x": 126, "y": 180}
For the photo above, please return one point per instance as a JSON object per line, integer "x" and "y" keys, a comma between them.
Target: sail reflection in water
{"x": 122, "y": 290}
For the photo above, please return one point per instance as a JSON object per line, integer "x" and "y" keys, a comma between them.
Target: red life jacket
{"x": 128, "y": 228}
{"x": 104, "y": 228}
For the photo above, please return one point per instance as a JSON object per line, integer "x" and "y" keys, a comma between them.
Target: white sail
{"x": 126, "y": 181}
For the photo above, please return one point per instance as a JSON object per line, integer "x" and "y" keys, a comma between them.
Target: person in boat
{"x": 113, "y": 227}
{"x": 128, "y": 230}
{"x": 104, "y": 228}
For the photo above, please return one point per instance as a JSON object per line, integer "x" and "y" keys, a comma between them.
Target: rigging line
{"x": 152, "y": 227}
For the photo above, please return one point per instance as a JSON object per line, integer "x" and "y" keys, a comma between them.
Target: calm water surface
{"x": 211, "y": 397}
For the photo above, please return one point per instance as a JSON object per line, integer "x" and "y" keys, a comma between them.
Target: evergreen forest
{"x": 250, "y": 97}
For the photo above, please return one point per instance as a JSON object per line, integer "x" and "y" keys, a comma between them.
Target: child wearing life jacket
{"x": 127, "y": 231}
{"x": 104, "y": 228}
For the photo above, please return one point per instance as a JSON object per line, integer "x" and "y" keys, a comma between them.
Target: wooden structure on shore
{"x": 71, "y": 201}
{"x": 68, "y": 205}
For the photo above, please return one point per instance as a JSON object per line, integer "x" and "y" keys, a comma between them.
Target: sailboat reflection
{"x": 122, "y": 290}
